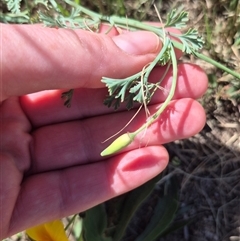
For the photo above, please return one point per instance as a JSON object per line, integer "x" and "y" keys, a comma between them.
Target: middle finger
{"x": 80, "y": 142}
{"x": 46, "y": 107}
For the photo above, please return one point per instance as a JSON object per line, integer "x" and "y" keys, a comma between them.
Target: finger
{"x": 61, "y": 193}
{"x": 52, "y": 58}
{"x": 192, "y": 82}
{"x": 47, "y": 107}
{"x": 109, "y": 30}
{"x": 80, "y": 142}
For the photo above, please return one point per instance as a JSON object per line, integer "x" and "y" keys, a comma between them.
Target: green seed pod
{"x": 117, "y": 145}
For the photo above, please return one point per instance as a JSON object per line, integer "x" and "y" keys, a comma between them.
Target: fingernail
{"x": 138, "y": 43}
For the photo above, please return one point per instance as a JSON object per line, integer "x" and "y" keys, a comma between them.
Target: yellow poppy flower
{"x": 51, "y": 231}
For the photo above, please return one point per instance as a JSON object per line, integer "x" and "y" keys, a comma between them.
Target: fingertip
{"x": 133, "y": 168}
{"x": 198, "y": 77}
{"x": 187, "y": 119}
{"x": 155, "y": 157}
{"x": 138, "y": 43}
{"x": 182, "y": 119}
{"x": 196, "y": 120}
{"x": 192, "y": 82}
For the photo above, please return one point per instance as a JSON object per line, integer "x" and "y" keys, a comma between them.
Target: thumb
{"x": 35, "y": 58}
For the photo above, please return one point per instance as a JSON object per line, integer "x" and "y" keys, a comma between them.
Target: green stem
{"x": 70, "y": 222}
{"x": 178, "y": 45}
{"x": 134, "y": 25}
{"x": 209, "y": 60}
{"x": 218, "y": 65}
{"x": 169, "y": 97}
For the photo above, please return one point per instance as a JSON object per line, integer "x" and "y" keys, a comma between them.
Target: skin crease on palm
{"x": 50, "y": 163}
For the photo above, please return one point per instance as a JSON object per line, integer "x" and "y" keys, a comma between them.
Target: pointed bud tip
{"x": 117, "y": 145}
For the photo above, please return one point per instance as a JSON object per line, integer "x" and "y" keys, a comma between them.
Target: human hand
{"x": 50, "y": 161}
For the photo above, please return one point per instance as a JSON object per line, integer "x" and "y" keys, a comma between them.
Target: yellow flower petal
{"x": 51, "y": 231}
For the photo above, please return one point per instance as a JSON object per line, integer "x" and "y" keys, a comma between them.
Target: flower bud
{"x": 117, "y": 145}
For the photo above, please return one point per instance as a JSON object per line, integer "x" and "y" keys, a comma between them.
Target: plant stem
{"x": 217, "y": 64}
{"x": 132, "y": 24}
{"x": 209, "y": 60}
{"x": 169, "y": 97}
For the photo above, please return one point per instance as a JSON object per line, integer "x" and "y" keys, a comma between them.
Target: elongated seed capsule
{"x": 118, "y": 144}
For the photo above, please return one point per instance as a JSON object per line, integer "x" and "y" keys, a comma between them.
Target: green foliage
{"x": 73, "y": 18}
{"x": 135, "y": 88}
{"x": 13, "y": 6}
{"x": 177, "y": 19}
{"x": 94, "y": 224}
{"x": 22, "y": 11}
{"x": 163, "y": 216}
{"x": 111, "y": 220}
{"x": 191, "y": 41}
{"x": 129, "y": 205}
{"x": 126, "y": 206}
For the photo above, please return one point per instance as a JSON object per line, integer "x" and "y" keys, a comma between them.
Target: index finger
{"x": 49, "y": 58}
